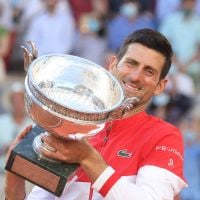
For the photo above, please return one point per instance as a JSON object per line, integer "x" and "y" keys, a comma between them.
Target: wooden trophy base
{"x": 23, "y": 161}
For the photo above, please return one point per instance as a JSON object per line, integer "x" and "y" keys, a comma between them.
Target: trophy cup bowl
{"x": 68, "y": 97}
{"x": 66, "y": 94}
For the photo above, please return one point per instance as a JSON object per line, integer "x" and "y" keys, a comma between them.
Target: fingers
{"x": 58, "y": 148}
{"x": 18, "y": 139}
{"x": 49, "y": 141}
{"x": 54, "y": 155}
{"x": 48, "y": 149}
{"x": 24, "y": 132}
{"x": 55, "y": 142}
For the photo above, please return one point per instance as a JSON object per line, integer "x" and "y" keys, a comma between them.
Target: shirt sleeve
{"x": 40, "y": 194}
{"x": 165, "y": 151}
{"x": 152, "y": 183}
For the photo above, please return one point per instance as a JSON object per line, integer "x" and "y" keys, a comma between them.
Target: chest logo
{"x": 124, "y": 153}
{"x": 171, "y": 163}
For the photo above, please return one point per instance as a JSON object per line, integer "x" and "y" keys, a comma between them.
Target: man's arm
{"x": 76, "y": 151}
{"x": 151, "y": 183}
{"x": 15, "y": 185}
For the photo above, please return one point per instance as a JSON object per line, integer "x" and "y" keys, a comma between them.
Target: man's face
{"x": 139, "y": 72}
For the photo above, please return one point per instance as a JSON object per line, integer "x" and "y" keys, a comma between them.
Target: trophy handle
{"x": 29, "y": 56}
{"x": 126, "y": 106}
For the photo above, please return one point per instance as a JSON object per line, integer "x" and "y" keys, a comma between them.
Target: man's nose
{"x": 136, "y": 75}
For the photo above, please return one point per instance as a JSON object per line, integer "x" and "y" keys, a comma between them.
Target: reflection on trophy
{"x": 68, "y": 97}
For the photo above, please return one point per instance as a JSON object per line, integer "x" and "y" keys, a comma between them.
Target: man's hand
{"x": 15, "y": 185}
{"x": 75, "y": 151}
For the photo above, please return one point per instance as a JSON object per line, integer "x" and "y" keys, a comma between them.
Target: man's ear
{"x": 160, "y": 87}
{"x": 113, "y": 63}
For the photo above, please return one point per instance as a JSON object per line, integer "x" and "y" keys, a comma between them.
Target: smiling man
{"x": 139, "y": 157}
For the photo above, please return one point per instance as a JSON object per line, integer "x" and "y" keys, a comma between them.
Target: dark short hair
{"x": 153, "y": 40}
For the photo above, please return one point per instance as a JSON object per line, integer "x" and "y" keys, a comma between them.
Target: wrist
{"x": 15, "y": 196}
{"x": 93, "y": 165}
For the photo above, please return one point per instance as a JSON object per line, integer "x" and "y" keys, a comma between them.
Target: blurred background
{"x": 95, "y": 29}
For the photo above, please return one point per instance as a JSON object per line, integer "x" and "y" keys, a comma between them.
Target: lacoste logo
{"x": 124, "y": 153}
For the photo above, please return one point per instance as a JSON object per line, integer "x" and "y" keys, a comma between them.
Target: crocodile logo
{"x": 124, "y": 153}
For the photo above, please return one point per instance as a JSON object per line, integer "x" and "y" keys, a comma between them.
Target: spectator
{"x": 163, "y": 8}
{"x": 181, "y": 91}
{"x": 80, "y": 7}
{"x": 22, "y": 12}
{"x": 13, "y": 121}
{"x": 147, "y": 6}
{"x": 192, "y": 158}
{"x": 91, "y": 41}
{"x": 127, "y": 21}
{"x": 182, "y": 28}
{"x": 52, "y": 30}
{"x": 114, "y": 7}
{"x": 5, "y": 27}
{"x": 177, "y": 101}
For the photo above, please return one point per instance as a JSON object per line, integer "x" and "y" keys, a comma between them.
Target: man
{"x": 139, "y": 157}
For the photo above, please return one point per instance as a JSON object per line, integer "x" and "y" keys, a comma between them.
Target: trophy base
{"x": 23, "y": 161}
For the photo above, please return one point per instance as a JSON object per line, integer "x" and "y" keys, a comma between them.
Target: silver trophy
{"x": 68, "y": 97}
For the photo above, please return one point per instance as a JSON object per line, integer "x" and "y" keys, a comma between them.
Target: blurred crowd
{"x": 95, "y": 29}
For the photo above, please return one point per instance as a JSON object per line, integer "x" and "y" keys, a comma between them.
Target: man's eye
{"x": 131, "y": 64}
{"x": 149, "y": 72}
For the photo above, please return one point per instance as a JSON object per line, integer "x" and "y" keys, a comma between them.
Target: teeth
{"x": 130, "y": 87}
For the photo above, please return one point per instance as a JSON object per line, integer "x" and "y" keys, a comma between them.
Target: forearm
{"x": 14, "y": 187}
{"x": 94, "y": 166}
